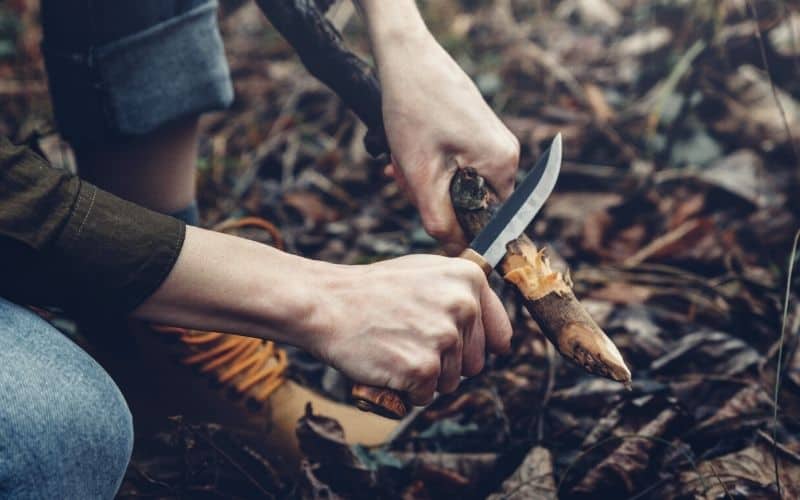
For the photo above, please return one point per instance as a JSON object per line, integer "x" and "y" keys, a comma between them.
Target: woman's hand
{"x": 435, "y": 118}
{"x": 414, "y": 324}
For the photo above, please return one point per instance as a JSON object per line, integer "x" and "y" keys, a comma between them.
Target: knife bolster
{"x": 473, "y": 256}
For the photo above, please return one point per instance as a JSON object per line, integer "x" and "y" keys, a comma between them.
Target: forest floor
{"x": 675, "y": 214}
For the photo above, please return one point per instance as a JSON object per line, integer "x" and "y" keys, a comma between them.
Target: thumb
{"x": 438, "y": 217}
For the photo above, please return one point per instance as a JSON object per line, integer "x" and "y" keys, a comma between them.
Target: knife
{"x": 487, "y": 250}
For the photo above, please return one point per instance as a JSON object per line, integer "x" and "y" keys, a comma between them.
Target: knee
{"x": 71, "y": 438}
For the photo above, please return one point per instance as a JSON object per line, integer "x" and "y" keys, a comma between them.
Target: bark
{"x": 546, "y": 293}
{"x": 320, "y": 48}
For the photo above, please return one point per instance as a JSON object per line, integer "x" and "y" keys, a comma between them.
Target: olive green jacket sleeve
{"x": 66, "y": 243}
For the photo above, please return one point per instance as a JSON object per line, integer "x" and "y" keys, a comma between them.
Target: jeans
{"x": 65, "y": 429}
{"x": 120, "y": 69}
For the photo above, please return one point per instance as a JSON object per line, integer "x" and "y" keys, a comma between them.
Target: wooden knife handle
{"x": 390, "y": 403}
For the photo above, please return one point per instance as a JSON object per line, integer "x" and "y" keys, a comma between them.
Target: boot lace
{"x": 250, "y": 365}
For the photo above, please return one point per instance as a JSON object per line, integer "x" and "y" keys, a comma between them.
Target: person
{"x": 128, "y": 82}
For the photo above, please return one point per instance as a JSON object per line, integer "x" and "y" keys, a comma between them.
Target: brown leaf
{"x": 322, "y": 439}
{"x": 742, "y": 174}
{"x": 603, "y": 113}
{"x": 311, "y": 207}
{"x": 744, "y": 474}
{"x": 621, "y": 292}
{"x": 451, "y": 469}
{"x": 532, "y": 479}
{"x": 624, "y": 467}
{"x": 685, "y": 210}
{"x": 594, "y": 232}
{"x": 752, "y": 113}
{"x": 312, "y": 488}
{"x": 674, "y": 242}
{"x": 707, "y": 352}
{"x": 627, "y": 241}
{"x": 749, "y": 404}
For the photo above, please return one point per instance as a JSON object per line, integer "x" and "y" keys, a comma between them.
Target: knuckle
{"x": 476, "y": 275}
{"x": 511, "y": 151}
{"x": 514, "y": 149}
{"x": 448, "y": 339}
{"x": 424, "y": 369}
{"x": 470, "y": 271}
{"x": 469, "y": 309}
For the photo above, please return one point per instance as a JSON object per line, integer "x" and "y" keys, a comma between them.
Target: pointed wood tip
{"x": 591, "y": 348}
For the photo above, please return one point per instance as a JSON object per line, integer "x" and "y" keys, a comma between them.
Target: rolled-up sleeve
{"x": 66, "y": 243}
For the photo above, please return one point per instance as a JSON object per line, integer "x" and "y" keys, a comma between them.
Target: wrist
{"x": 312, "y": 322}
{"x": 394, "y": 26}
{"x": 229, "y": 284}
{"x": 295, "y": 310}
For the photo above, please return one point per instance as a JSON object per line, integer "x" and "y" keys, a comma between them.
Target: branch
{"x": 546, "y": 294}
{"x": 322, "y": 52}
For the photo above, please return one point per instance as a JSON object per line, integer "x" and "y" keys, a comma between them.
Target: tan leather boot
{"x": 232, "y": 380}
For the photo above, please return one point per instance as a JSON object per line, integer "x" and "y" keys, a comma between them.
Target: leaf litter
{"x": 674, "y": 215}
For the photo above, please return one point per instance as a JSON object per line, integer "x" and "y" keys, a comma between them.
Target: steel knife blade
{"x": 486, "y": 250}
{"x": 517, "y": 212}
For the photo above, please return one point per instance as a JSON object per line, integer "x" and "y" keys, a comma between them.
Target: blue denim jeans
{"x": 65, "y": 430}
{"x": 119, "y": 69}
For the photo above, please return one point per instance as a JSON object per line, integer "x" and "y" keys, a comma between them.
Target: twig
{"x": 751, "y": 6}
{"x": 320, "y": 48}
{"x": 236, "y": 465}
{"x": 778, "y": 369}
{"x": 664, "y": 90}
{"x": 762, "y": 49}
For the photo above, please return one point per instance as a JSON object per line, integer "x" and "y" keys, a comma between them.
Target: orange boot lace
{"x": 250, "y": 365}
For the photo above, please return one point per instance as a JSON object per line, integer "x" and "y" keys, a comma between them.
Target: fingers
{"x": 451, "y": 370}
{"x": 456, "y": 318}
{"x": 496, "y": 324}
{"x": 474, "y": 348}
{"x": 439, "y": 218}
{"x": 466, "y": 356}
{"x": 499, "y": 168}
{"x": 395, "y": 173}
{"x": 425, "y": 377}
{"x": 429, "y": 190}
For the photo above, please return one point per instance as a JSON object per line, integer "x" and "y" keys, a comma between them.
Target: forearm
{"x": 392, "y": 25}
{"x": 396, "y": 31}
{"x": 229, "y": 284}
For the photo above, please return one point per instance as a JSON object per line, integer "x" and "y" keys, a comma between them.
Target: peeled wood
{"x": 547, "y": 295}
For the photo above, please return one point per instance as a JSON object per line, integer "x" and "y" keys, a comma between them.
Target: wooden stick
{"x": 546, "y": 295}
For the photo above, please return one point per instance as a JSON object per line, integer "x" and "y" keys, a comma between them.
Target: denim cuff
{"x": 133, "y": 85}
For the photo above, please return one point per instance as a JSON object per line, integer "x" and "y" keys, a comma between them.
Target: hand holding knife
{"x": 488, "y": 249}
